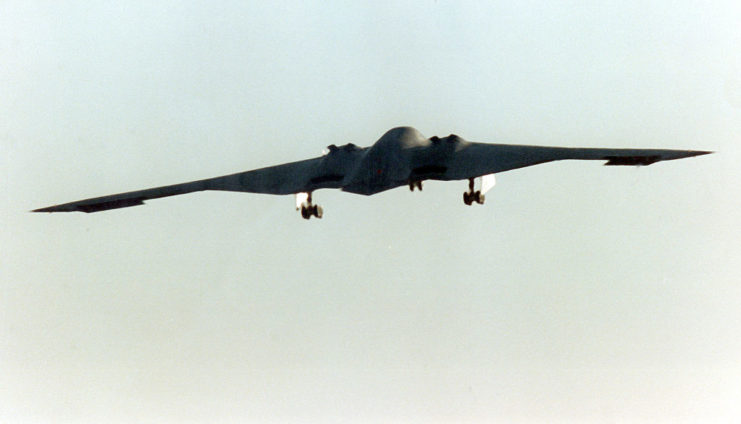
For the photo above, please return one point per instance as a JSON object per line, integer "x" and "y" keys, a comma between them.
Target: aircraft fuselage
{"x": 401, "y": 156}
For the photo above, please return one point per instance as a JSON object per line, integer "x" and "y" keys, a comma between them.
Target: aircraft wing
{"x": 476, "y": 159}
{"x": 287, "y": 178}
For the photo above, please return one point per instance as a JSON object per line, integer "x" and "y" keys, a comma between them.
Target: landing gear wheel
{"x": 479, "y": 198}
{"x": 467, "y": 198}
{"x": 311, "y": 210}
{"x": 308, "y": 209}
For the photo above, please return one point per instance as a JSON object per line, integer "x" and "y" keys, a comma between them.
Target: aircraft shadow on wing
{"x": 401, "y": 157}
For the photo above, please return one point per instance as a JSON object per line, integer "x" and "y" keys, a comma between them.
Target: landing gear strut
{"x": 308, "y": 209}
{"x": 471, "y": 196}
{"x": 413, "y": 184}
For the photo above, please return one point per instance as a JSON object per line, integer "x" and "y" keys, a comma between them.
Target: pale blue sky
{"x": 577, "y": 293}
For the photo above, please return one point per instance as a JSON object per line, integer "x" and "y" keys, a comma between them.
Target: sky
{"x": 577, "y": 293}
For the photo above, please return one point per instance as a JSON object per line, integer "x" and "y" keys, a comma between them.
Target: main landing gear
{"x": 413, "y": 184}
{"x": 303, "y": 202}
{"x": 473, "y": 196}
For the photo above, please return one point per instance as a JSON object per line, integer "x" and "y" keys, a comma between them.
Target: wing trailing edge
{"x": 648, "y": 159}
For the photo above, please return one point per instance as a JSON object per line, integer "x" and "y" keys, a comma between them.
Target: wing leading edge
{"x": 281, "y": 179}
{"x": 478, "y": 159}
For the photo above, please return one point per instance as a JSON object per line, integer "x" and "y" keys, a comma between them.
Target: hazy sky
{"x": 578, "y": 293}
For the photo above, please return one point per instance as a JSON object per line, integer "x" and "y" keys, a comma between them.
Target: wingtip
{"x": 689, "y": 154}
{"x": 702, "y": 152}
{"x": 58, "y": 208}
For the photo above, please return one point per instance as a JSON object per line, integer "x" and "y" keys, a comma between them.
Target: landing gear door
{"x": 301, "y": 199}
{"x": 487, "y": 182}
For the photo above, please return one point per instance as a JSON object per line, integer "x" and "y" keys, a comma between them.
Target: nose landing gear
{"x": 413, "y": 184}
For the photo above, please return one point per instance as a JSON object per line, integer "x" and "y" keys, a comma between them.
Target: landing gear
{"x": 473, "y": 196}
{"x": 313, "y": 210}
{"x": 469, "y": 198}
{"x": 413, "y": 184}
{"x": 308, "y": 209}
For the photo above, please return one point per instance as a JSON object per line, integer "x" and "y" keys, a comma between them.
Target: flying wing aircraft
{"x": 402, "y": 156}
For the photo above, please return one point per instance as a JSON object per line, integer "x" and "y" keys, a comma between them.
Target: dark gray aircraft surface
{"x": 402, "y": 156}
